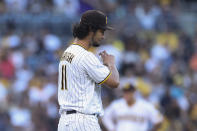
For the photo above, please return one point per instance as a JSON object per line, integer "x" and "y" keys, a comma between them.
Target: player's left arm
{"x": 109, "y": 61}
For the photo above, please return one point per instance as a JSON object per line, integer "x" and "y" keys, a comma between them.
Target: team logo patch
{"x": 127, "y": 86}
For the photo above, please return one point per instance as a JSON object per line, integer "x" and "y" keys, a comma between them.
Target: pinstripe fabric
{"x": 78, "y": 122}
{"x": 80, "y": 91}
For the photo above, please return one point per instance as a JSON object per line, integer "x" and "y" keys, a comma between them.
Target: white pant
{"x": 78, "y": 122}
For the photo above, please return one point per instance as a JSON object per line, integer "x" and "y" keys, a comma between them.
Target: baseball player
{"x": 81, "y": 74}
{"x": 130, "y": 113}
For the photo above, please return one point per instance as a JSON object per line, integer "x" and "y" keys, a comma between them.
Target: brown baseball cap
{"x": 129, "y": 87}
{"x": 96, "y": 19}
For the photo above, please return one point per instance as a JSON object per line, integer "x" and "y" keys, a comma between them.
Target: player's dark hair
{"x": 81, "y": 30}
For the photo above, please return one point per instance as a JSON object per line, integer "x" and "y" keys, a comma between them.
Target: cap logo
{"x": 127, "y": 86}
{"x": 106, "y": 19}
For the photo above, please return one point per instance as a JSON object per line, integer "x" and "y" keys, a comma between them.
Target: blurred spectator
{"x": 131, "y": 47}
{"x": 193, "y": 60}
{"x": 5, "y": 124}
{"x": 16, "y": 5}
{"x": 2, "y": 7}
{"x": 3, "y": 96}
{"x": 11, "y": 40}
{"x": 51, "y": 42}
{"x": 69, "y": 7}
{"x": 6, "y": 66}
{"x": 20, "y": 118}
{"x": 147, "y": 15}
{"x": 23, "y": 77}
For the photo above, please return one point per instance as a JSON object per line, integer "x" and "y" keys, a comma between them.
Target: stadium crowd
{"x": 151, "y": 48}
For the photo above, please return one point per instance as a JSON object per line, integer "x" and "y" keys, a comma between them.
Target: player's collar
{"x": 79, "y": 45}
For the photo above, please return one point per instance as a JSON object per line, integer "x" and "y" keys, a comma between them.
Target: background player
{"x": 81, "y": 73}
{"x": 130, "y": 113}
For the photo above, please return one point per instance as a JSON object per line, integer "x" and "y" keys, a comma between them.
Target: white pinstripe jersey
{"x": 130, "y": 118}
{"x": 80, "y": 76}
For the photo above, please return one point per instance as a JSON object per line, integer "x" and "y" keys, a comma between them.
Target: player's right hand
{"x": 108, "y": 59}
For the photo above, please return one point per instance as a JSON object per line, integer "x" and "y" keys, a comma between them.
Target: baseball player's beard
{"x": 94, "y": 44}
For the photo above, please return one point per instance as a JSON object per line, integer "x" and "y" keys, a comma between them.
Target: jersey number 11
{"x": 63, "y": 81}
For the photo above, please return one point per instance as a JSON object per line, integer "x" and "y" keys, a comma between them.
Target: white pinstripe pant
{"x": 78, "y": 122}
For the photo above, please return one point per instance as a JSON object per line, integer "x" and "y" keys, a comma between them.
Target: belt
{"x": 74, "y": 111}
{"x": 71, "y": 112}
